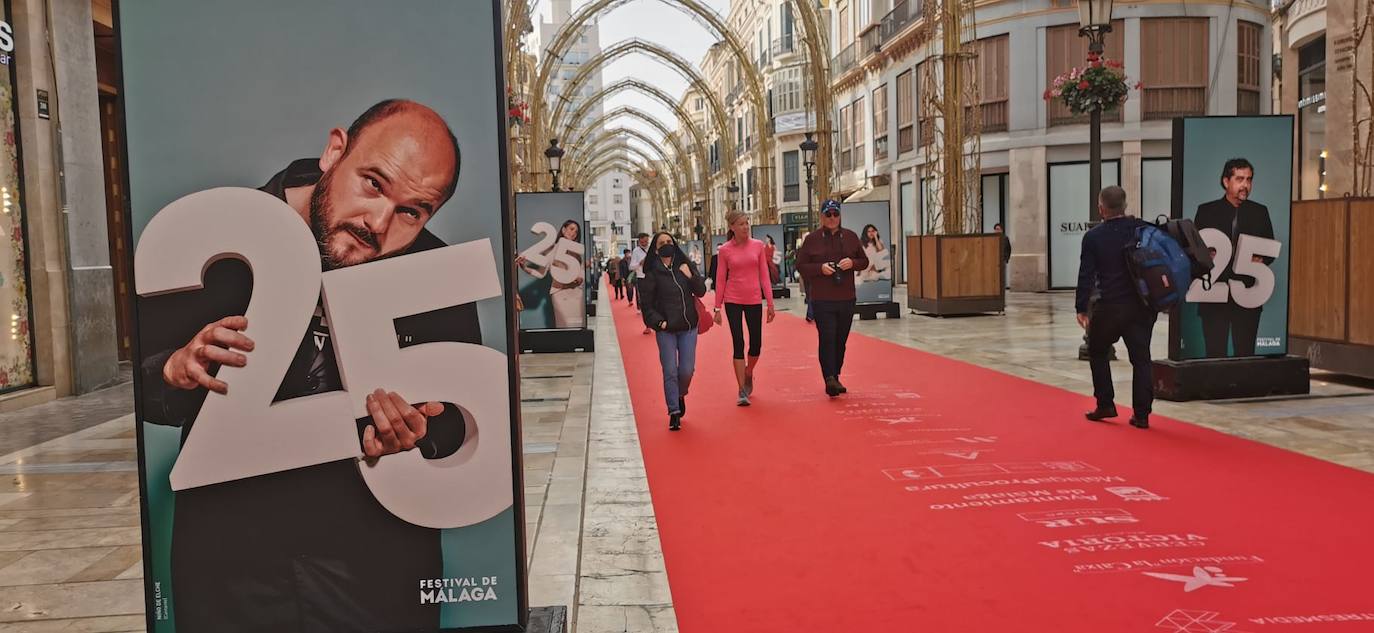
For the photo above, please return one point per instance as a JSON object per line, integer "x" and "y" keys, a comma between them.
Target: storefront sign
{"x": 43, "y": 112}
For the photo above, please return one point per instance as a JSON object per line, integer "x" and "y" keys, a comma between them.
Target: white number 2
{"x": 1246, "y": 249}
{"x": 555, "y": 248}
{"x": 244, "y": 434}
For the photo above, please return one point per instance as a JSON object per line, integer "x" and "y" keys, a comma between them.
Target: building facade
{"x": 1319, "y": 56}
{"x": 607, "y": 200}
{"x": 63, "y": 277}
{"x": 1202, "y": 57}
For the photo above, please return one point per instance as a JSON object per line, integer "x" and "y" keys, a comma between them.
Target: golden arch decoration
{"x": 622, "y": 146}
{"x": 815, "y": 38}
{"x": 588, "y": 151}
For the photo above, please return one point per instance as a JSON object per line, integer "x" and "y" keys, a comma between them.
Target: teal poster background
{"x": 229, "y": 93}
{"x": 1202, "y": 145}
{"x": 544, "y": 307}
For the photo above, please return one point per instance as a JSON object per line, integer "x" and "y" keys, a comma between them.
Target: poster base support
{"x": 548, "y": 620}
{"x": 956, "y": 307}
{"x": 591, "y": 308}
{"x": 1224, "y": 378}
{"x": 782, "y": 292}
{"x": 1342, "y": 358}
{"x": 557, "y": 341}
{"x": 870, "y": 311}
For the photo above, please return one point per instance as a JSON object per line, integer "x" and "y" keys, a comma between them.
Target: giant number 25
{"x": 1247, "y": 248}
{"x": 244, "y": 434}
{"x": 555, "y": 248}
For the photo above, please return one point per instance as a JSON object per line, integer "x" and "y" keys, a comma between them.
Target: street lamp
{"x": 696, "y": 217}
{"x": 1094, "y": 23}
{"x": 808, "y": 148}
{"x": 733, "y": 194}
{"x": 555, "y": 156}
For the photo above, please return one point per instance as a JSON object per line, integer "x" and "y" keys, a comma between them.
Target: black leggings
{"x": 736, "y": 312}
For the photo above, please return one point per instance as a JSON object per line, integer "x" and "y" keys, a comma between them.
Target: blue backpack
{"x": 1160, "y": 268}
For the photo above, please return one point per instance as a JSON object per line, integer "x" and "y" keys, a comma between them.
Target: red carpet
{"x": 941, "y": 497}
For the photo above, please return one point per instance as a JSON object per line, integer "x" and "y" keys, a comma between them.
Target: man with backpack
{"x": 1118, "y": 312}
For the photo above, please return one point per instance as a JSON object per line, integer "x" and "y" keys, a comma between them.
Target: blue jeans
{"x": 677, "y": 353}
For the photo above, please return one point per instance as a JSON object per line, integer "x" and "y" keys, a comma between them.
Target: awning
{"x": 870, "y": 193}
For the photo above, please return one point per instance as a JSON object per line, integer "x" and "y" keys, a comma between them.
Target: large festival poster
{"x": 1233, "y": 177}
{"x": 327, "y": 412}
{"x": 552, "y": 243}
{"x": 773, "y": 245}
{"x": 870, "y": 220}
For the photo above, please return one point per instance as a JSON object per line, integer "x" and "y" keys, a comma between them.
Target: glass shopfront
{"x": 16, "y": 350}
{"x": 1312, "y": 120}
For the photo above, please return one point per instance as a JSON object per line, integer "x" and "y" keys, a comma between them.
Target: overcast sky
{"x": 662, "y": 24}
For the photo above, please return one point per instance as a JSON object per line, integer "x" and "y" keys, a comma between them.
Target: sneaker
{"x": 743, "y": 399}
{"x": 749, "y": 384}
{"x": 674, "y": 421}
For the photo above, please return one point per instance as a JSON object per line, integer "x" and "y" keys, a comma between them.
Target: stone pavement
{"x": 69, "y": 525}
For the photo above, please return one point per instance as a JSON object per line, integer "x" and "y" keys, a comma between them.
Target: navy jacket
{"x": 1102, "y": 266}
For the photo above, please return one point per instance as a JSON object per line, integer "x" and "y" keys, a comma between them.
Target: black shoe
{"x": 682, "y": 405}
{"x": 841, "y": 386}
{"x": 1099, "y": 414}
{"x": 674, "y": 421}
{"x": 832, "y": 387}
{"x": 1140, "y": 423}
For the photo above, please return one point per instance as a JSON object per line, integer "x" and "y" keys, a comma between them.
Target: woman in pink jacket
{"x": 742, "y": 286}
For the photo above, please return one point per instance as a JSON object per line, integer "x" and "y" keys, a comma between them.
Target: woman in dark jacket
{"x": 667, "y": 300}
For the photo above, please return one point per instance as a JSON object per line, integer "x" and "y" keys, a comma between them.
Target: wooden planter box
{"x": 1331, "y": 285}
{"x": 955, "y": 274}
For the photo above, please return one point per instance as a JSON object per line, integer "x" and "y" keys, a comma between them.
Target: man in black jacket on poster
{"x": 1235, "y": 214}
{"x": 311, "y": 549}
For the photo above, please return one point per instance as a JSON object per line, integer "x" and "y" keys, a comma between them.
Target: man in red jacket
{"x": 827, "y": 259}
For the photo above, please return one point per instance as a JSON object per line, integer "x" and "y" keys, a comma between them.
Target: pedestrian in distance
{"x": 637, "y": 268}
{"x": 667, "y": 299}
{"x": 1118, "y": 312}
{"x": 624, "y": 267}
{"x": 613, "y": 277}
{"x": 742, "y": 287}
{"x": 828, "y": 259}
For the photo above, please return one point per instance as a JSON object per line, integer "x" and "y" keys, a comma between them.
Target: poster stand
{"x": 1225, "y": 378}
{"x": 1267, "y": 140}
{"x": 870, "y": 311}
{"x": 557, "y": 341}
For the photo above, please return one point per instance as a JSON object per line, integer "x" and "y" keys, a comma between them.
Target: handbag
{"x": 704, "y": 319}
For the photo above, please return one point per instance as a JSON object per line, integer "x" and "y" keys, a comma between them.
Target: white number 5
{"x": 244, "y": 434}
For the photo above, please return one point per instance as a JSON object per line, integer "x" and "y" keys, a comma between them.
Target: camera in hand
{"x": 838, "y": 275}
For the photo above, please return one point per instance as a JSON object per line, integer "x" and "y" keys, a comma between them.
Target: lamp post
{"x": 696, "y": 218}
{"x": 1094, "y": 23}
{"x": 555, "y": 156}
{"x": 808, "y": 148}
{"x": 732, "y": 193}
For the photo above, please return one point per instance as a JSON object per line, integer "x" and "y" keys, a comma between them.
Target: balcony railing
{"x": 880, "y": 149}
{"x": 733, "y": 95}
{"x": 791, "y": 193}
{"x": 842, "y": 62}
{"x": 784, "y": 45}
{"x": 994, "y": 116}
{"x": 898, "y": 18}
{"x": 870, "y": 41}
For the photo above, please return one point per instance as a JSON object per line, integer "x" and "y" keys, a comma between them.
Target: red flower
{"x": 1112, "y": 63}
{"x": 1092, "y": 57}
{"x": 1047, "y": 96}
{"x": 1138, "y": 85}
{"x": 1096, "y": 64}
{"x": 1083, "y": 85}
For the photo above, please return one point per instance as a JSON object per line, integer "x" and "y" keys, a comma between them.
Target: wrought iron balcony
{"x": 842, "y": 62}
{"x": 896, "y": 20}
{"x": 785, "y": 45}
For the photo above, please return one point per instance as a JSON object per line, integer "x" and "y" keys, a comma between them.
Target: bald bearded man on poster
{"x": 311, "y": 549}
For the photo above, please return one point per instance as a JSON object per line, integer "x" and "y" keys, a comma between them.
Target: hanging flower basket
{"x": 517, "y": 110}
{"x": 1101, "y": 85}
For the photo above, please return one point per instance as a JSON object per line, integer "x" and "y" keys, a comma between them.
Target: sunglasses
{"x": 831, "y": 213}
